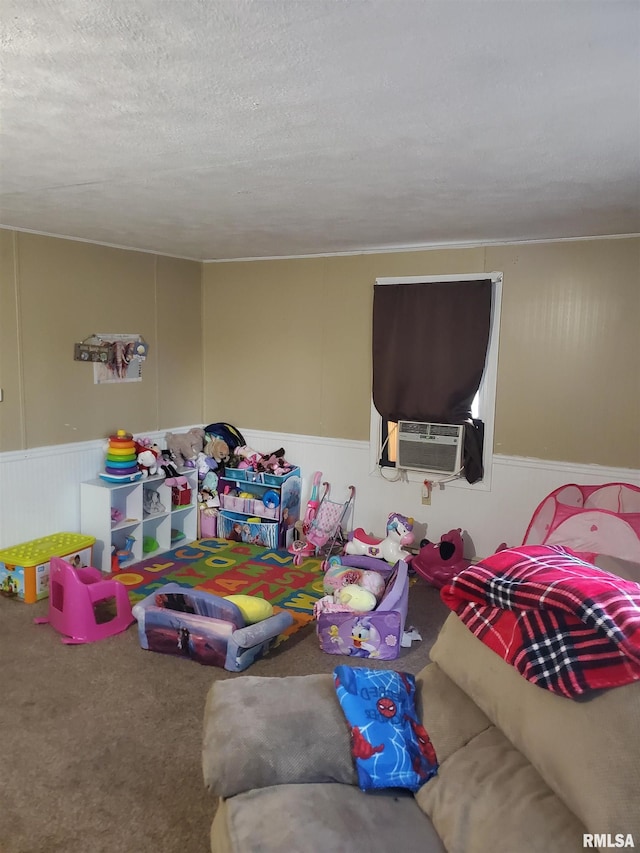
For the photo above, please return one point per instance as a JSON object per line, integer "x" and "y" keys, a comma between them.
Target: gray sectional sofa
{"x": 522, "y": 770}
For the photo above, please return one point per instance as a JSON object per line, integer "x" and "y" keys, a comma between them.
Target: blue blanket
{"x": 390, "y": 747}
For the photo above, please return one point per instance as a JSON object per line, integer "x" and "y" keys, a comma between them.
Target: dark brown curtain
{"x": 429, "y": 348}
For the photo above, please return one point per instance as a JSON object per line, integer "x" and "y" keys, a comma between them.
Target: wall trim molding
{"x": 99, "y": 444}
{"x": 267, "y": 439}
{"x": 376, "y": 250}
{"x": 422, "y": 247}
{"x": 577, "y": 469}
{"x": 98, "y": 243}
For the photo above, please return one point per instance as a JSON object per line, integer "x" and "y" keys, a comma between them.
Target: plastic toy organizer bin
{"x": 259, "y": 508}
{"x": 239, "y": 528}
{"x": 24, "y": 569}
{"x": 376, "y": 634}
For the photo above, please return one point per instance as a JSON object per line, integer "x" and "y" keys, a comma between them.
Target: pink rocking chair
{"x": 75, "y": 596}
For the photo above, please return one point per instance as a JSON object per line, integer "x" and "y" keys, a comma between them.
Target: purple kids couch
{"x": 376, "y": 634}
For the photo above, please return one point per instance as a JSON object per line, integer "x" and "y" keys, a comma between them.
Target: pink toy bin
{"x": 74, "y": 604}
{"x": 208, "y": 524}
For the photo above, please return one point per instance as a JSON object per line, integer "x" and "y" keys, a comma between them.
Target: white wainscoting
{"x": 40, "y": 494}
{"x": 40, "y": 488}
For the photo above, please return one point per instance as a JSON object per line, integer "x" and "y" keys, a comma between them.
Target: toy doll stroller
{"x": 321, "y": 528}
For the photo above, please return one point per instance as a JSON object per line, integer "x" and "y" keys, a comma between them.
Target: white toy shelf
{"x": 169, "y": 527}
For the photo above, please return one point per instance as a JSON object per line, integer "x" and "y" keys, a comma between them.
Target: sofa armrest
{"x": 273, "y": 731}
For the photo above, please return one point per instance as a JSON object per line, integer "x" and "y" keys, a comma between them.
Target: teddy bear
{"x": 184, "y": 447}
{"x": 147, "y": 456}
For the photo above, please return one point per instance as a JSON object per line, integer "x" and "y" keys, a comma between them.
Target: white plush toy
{"x": 374, "y": 582}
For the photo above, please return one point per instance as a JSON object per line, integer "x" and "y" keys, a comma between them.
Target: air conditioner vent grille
{"x": 430, "y": 447}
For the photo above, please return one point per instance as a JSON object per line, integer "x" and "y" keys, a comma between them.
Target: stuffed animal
{"x": 147, "y": 457}
{"x": 337, "y": 576}
{"x": 210, "y": 482}
{"x": 204, "y": 464}
{"x": 184, "y": 447}
{"x": 218, "y": 451}
{"x": 356, "y": 597}
{"x": 374, "y": 582}
{"x": 245, "y": 457}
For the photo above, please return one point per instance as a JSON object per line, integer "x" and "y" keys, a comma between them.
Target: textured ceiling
{"x": 228, "y": 128}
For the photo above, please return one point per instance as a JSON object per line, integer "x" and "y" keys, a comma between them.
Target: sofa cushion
{"x": 586, "y": 751}
{"x": 268, "y": 731}
{"x": 449, "y": 716}
{"x": 322, "y": 817}
{"x": 488, "y": 797}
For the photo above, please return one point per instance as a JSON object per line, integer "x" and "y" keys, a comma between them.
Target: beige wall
{"x": 54, "y": 293}
{"x": 287, "y": 344}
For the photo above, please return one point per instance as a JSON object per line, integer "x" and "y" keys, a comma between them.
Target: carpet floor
{"x": 101, "y": 744}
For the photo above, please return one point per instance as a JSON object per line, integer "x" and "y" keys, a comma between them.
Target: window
{"x": 437, "y": 361}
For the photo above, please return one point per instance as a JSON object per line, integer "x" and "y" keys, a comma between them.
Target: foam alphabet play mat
{"x": 224, "y": 568}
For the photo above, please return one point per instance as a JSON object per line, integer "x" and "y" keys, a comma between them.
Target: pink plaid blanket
{"x": 561, "y": 622}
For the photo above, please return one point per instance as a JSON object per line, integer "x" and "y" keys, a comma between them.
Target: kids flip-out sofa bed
{"x": 376, "y": 634}
{"x": 178, "y": 620}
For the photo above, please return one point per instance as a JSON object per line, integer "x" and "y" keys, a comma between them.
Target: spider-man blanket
{"x": 564, "y": 624}
{"x": 390, "y": 747}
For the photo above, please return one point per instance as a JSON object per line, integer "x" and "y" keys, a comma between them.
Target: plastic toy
{"x": 77, "y": 599}
{"x": 439, "y": 562}
{"x": 178, "y": 620}
{"x": 25, "y": 568}
{"x": 121, "y": 462}
{"x": 126, "y": 553}
{"x": 271, "y": 499}
{"x": 399, "y": 535}
{"x": 300, "y": 547}
{"x": 324, "y": 527}
{"x": 149, "y": 545}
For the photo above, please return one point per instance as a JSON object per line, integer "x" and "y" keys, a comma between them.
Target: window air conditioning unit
{"x": 436, "y": 448}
